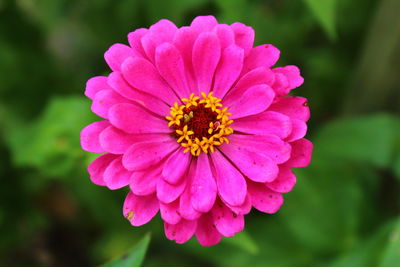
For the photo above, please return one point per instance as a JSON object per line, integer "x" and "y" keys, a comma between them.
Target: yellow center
{"x": 200, "y": 124}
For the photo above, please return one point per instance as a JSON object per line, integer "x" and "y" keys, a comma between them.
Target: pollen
{"x": 200, "y": 124}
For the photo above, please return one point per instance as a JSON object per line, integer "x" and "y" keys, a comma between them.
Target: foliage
{"x": 344, "y": 208}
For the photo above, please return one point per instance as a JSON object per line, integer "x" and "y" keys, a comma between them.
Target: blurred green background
{"x": 344, "y": 210}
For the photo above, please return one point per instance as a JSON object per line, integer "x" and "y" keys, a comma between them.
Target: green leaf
{"x": 325, "y": 13}
{"x": 134, "y": 257}
{"x": 244, "y": 241}
{"x": 369, "y": 139}
{"x": 380, "y": 247}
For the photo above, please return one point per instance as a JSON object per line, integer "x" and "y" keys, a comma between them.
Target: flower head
{"x": 198, "y": 124}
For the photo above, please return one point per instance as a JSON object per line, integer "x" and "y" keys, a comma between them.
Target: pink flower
{"x": 198, "y": 124}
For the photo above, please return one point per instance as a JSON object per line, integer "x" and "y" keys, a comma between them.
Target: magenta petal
{"x": 104, "y": 100}
{"x": 116, "y": 176}
{"x": 281, "y": 85}
{"x": 152, "y": 103}
{"x": 243, "y": 209}
{"x": 295, "y": 107}
{"x": 257, "y": 76}
{"x": 143, "y": 155}
{"x": 299, "y": 130}
{"x": 90, "y": 136}
{"x": 144, "y": 182}
{"x": 228, "y": 70}
{"x": 227, "y": 222}
{"x": 261, "y": 56}
{"x": 167, "y": 192}
{"x": 203, "y": 23}
{"x": 268, "y": 122}
{"x": 180, "y": 232}
{"x": 225, "y": 35}
{"x": 134, "y": 119}
{"x": 176, "y": 166}
{"x": 169, "y": 212}
{"x": 230, "y": 182}
{"x": 284, "y": 182}
{"x": 140, "y": 210}
{"x": 142, "y": 75}
{"x": 292, "y": 74}
{"x": 206, "y": 232}
{"x": 205, "y": 58}
{"x": 244, "y": 36}
{"x": 257, "y": 167}
{"x": 170, "y": 64}
{"x": 301, "y": 153}
{"x": 134, "y": 40}
{"x": 254, "y": 100}
{"x": 98, "y": 166}
{"x": 185, "y": 204}
{"x": 264, "y": 199}
{"x": 269, "y": 145}
{"x": 183, "y": 41}
{"x": 96, "y": 84}
{"x": 160, "y": 32}
{"x": 117, "y": 54}
{"x": 203, "y": 188}
{"x": 116, "y": 141}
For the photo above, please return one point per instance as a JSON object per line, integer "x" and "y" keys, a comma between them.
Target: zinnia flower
{"x": 198, "y": 124}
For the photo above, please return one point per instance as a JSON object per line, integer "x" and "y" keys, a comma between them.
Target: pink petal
{"x": 134, "y": 40}
{"x": 203, "y": 188}
{"x": 206, "y": 233}
{"x": 230, "y": 182}
{"x": 243, "y": 209}
{"x": 90, "y": 136}
{"x": 225, "y": 35}
{"x": 299, "y": 130}
{"x": 203, "y": 23}
{"x": 261, "y": 56}
{"x": 205, "y": 58}
{"x": 257, "y": 167}
{"x": 117, "y": 54}
{"x": 180, "y": 232}
{"x": 167, "y": 192}
{"x": 301, "y": 153}
{"x": 170, "y": 64}
{"x": 169, "y": 212}
{"x": 142, "y": 75}
{"x": 143, "y": 155}
{"x": 257, "y": 76}
{"x": 116, "y": 141}
{"x": 160, "y": 32}
{"x": 254, "y": 100}
{"x": 269, "y": 145}
{"x": 176, "y": 166}
{"x": 284, "y": 182}
{"x": 228, "y": 70}
{"x": 244, "y": 36}
{"x": 144, "y": 182}
{"x": 151, "y": 103}
{"x": 140, "y": 210}
{"x": 264, "y": 199}
{"x": 134, "y": 119}
{"x": 281, "y": 85}
{"x": 186, "y": 209}
{"x": 104, "y": 100}
{"x": 268, "y": 122}
{"x": 227, "y": 222}
{"x": 295, "y": 107}
{"x": 115, "y": 175}
{"x": 98, "y": 166}
{"x": 96, "y": 84}
{"x": 292, "y": 73}
{"x": 183, "y": 41}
